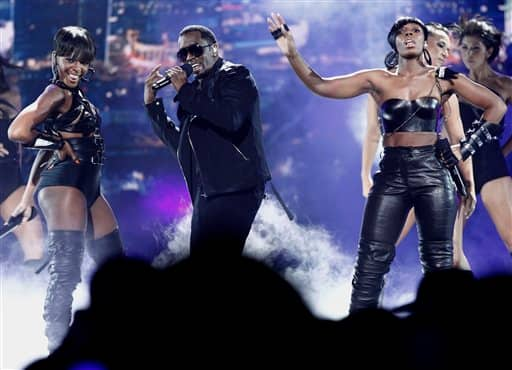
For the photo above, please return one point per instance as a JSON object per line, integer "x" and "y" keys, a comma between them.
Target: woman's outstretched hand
{"x": 282, "y": 34}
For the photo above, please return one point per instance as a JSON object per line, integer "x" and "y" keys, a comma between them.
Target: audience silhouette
{"x": 232, "y": 311}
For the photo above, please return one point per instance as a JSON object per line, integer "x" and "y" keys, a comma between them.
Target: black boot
{"x": 105, "y": 247}
{"x": 436, "y": 255}
{"x": 373, "y": 261}
{"x": 66, "y": 250}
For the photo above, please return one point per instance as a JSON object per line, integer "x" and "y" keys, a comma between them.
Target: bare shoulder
{"x": 53, "y": 95}
{"x": 503, "y": 78}
{"x": 382, "y": 73}
{"x": 54, "y": 91}
{"x": 375, "y": 72}
{"x": 378, "y": 76}
{"x": 381, "y": 79}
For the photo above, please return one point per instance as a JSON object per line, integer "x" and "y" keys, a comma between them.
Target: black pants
{"x": 221, "y": 224}
{"x": 408, "y": 177}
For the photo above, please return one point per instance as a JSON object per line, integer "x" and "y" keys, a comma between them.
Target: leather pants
{"x": 66, "y": 249}
{"x": 408, "y": 177}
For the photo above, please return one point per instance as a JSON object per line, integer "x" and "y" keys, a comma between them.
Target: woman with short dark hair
{"x": 411, "y": 174}
{"x": 65, "y": 178}
{"x": 479, "y": 44}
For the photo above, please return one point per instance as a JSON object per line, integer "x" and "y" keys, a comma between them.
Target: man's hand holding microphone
{"x": 177, "y": 76}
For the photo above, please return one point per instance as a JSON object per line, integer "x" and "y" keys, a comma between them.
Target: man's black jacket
{"x": 219, "y": 141}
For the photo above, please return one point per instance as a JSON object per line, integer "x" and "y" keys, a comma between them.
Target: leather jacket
{"x": 219, "y": 140}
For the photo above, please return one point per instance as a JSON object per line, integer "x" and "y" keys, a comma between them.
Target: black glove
{"x": 445, "y": 154}
{"x": 445, "y": 73}
{"x": 482, "y": 132}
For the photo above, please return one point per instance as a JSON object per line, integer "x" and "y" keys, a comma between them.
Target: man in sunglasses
{"x": 218, "y": 141}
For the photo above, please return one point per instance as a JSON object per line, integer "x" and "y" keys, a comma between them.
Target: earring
{"x": 90, "y": 72}
{"x": 54, "y": 66}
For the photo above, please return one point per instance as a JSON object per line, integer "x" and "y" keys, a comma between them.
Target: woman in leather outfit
{"x": 438, "y": 47}
{"x": 410, "y": 175}
{"x": 65, "y": 176}
{"x": 479, "y": 43}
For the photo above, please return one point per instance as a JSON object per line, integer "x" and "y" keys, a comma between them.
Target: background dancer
{"x": 30, "y": 234}
{"x": 480, "y": 43}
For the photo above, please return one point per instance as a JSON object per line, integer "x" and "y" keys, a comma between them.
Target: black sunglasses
{"x": 196, "y": 50}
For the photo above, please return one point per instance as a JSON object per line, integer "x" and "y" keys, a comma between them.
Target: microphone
{"x": 164, "y": 81}
{"x": 459, "y": 181}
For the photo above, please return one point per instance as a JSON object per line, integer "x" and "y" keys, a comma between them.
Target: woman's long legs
{"x": 460, "y": 260}
{"x": 497, "y": 198}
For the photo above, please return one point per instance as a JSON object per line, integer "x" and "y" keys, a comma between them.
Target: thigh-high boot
{"x": 105, "y": 247}
{"x": 65, "y": 249}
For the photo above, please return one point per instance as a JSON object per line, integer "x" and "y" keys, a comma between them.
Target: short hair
{"x": 206, "y": 33}
{"x": 397, "y": 26}
{"x": 484, "y": 29}
{"x": 391, "y": 59}
{"x": 76, "y": 42}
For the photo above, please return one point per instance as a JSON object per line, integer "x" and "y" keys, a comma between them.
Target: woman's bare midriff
{"x": 410, "y": 139}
